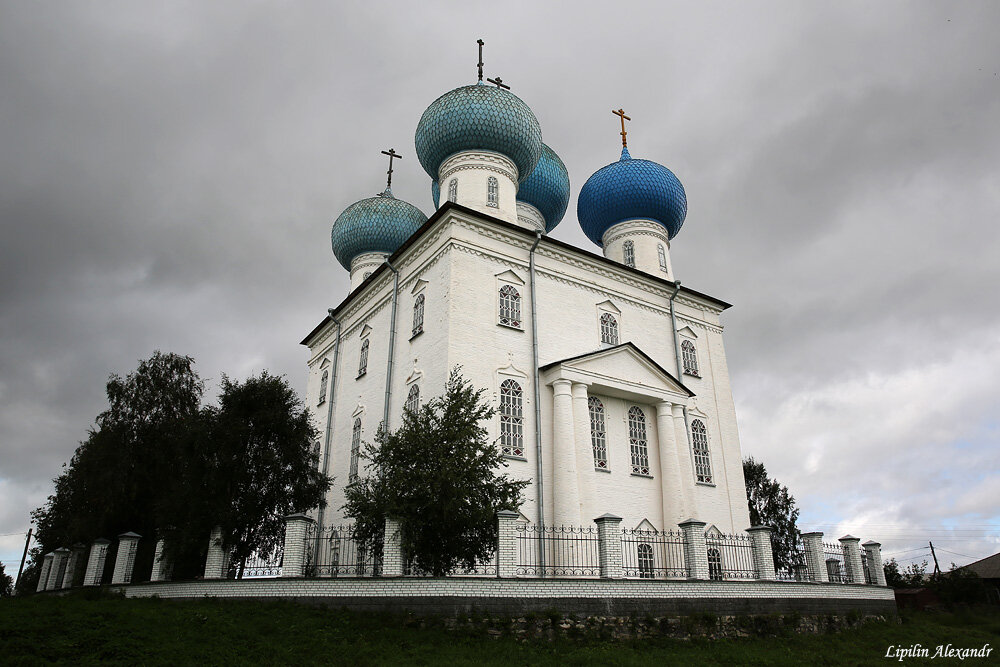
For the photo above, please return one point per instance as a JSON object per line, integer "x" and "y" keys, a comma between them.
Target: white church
{"x": 609, "y": 378}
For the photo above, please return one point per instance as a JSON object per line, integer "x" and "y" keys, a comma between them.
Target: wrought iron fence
{"x": 836, "y": 570}
{"x": 560, "y": 551}
{"x": 651, "y": 554}
{"x": 730, "y": 556}
{"x": 486, "y": 568}
{"x": 334, "y": 551}
{"x": 261, "y": 565}
{"x": 869, "y": 578}
{"x": 796, "y": 569}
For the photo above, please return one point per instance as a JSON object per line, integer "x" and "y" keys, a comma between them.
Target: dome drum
{"x": 530, "y": 217}
{"x": 649, "y": 249}
{"x": 485, "y": 181}
{"x": 364, "y": 265}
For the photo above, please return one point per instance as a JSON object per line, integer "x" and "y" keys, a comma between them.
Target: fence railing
{"x": 486, "y": 568}
{"x": 559, "y": 551}
{"x": 334, "y": 551}
{"x": 651, "y": 554}
{"x": 869, "y": 579}
{"x": 833, "y": 555}
{"x": 796, "y": 569}
{"x": 260, "y": 566}
{"x": 730, "y": 556}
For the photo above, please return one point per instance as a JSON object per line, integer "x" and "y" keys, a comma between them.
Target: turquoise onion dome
{"x": 436, "y": 194}
{"x": 479, "y": 117}
{"x": 547, "y": 188}
{"x": 378, "y": 224}
{"x": 628, "y": 190}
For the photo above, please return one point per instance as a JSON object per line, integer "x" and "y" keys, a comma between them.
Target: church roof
{"x": 546, "y": 240}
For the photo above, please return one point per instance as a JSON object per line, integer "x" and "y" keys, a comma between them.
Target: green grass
{"x": 79, "y": 630}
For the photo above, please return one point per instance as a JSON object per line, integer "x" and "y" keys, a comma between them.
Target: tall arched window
{"x": 702, "y": 460}
{"x": 453, "y": 190}
{"x": 413, "y": 399}
{"x": 690, "y": 357}
{"x": 418, "y": 314}
{"x": 492, "y": 189}
{"x": 663, "y": 257}
{"x": 637, "y": 440}
{"x": 510, "y": 306}
{"x": 355, "y": 450}
{"x": 598, "y": 433}
{"x": 322, "y": 387}
{"x": 645, "y": 561}
{"x": 714, "y": 564}
{"x": 609, "y": 329}
{"x": 511, "y": 419}
{"x": 363, "y": 361}
{"x": 629, "y": 248}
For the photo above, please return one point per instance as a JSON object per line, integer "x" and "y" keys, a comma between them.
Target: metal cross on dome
{"x": 391, "y": 153}
{"x": 480, "y": 43}
{"x": 498, "y": 82}
{"x": 621, "y": 114}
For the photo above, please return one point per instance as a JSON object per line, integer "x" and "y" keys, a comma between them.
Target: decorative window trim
{"x": 647, "y": 564}
{"x": 598, "y": 433}
{"x": 492, "y": 192}
{"x": 628, "y": 253}
{"x": 701, "y": 455}
{"x": 511, "y": 412}
{"x": 689, "y": 357}
{"x": 638, "y": 441}
{"x": 453, "y": 190}
{"x": 355, "y": 451}
{"x": 509, "y": 307}
{"x": 418, "y": 316}
{"x": 609, "y": 329}
{"x": 662, "y": 253}
{"x": 363, "y": 359}
{"x": 323, "y": 384}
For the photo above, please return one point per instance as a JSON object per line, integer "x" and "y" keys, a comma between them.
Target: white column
{"x": 565, "y": 499}
{"x": 95, "y": 562}
{"x": 161, "y": 564}
{"x": 874, "y": 552}
{"x": 685, "y": 471}
{"x": 582, "y": 451}
{"x": 58, "y": 571}
{"x": 471, "y": 171}
{"x": 217, "y": 560}
{"x": 506, "y": 544}
{"x": 609, "y": 535}
{"x": 74, "y": 564}
{"x": 296, "y": 549}
{"x": 392, "y": 549}
{"x": 815, "y": 558}
{"x": 763, "y": 553}
{"x": 852, "y": 559}
{"x": 695, "y": 549}
{"x": 670, "y": 480}
{"x": 128, "y": 544}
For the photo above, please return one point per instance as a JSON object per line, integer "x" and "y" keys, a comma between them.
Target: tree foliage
{"x": 6, "y": 584}
{"x": 437, "y": 474}
{"x": 160, "y": 464}
{"x": 911, "y": 576}
{"x": 771, "y": 505}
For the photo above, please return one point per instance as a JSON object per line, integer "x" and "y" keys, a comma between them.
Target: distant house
{"x": 988, "y": 570}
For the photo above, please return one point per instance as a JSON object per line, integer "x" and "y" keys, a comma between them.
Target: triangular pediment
{"x": 418, "y": 286}
{"x": 510, "y": 277}
{"x": 609, "y": 306}
{"x": 365, "y": 330}
{"x": 687, "y": 331}
{"x": 623, "y": 370}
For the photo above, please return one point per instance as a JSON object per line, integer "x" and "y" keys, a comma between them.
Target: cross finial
{"x": 480, "y": 43}
{"x": 391, "y": 153}
{"x": 621, "y": 114}
{"x": 498, "y": 82}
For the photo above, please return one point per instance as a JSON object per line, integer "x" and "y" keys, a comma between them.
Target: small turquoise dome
{"x": 436, "y": 194}
{"x": 377, "y": 224}
{"x": 479, "y": 118}
{"x": 627, "y": 190}
{"x": 547, "y": 188}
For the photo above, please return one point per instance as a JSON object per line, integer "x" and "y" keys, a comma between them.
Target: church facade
{"x": 609, "y": 377}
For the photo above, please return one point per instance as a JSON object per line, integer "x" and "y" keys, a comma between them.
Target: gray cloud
{"x": 168, "y": 175}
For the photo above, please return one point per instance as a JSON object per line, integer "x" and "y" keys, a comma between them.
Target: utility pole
{"x": 27, "y": 541}
{"x": 937, "y": 568}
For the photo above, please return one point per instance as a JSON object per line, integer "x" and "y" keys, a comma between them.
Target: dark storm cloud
{"x": 169, "y": 172}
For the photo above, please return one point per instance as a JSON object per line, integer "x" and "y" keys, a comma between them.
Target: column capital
{"x": 755, "y": 529}
{"x": 871, "y": 543}
{"x": 849, "y": 538}
{"x": 562, "y": 386}
{"x": 609, "y": 518}
{"x": 693, "y": 523}
{"x": 579, "y": 390}
{"x": 678, "y": 410}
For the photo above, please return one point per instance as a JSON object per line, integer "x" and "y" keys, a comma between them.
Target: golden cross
{"x": 621, "y": 113}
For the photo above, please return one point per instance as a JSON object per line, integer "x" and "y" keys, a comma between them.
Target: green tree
{"x": 911, "y": 576}
{"x": 254, "y": 462}
{"x": 770, "y": 504}
{"x": 6, "y": 584}
{"x": 437, "y": 474}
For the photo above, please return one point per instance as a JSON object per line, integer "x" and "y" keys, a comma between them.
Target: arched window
{"x": 645, "y": 561}
{"x": 322, "y": 387}
{"x": 491, "y": 191}
{"x": 702, "y": 460}
{"x": 714, "y": 564}
{"x": 413, "y": 399}
{"x": 629, "y": 248}
{"x": 453, "y": 190}
{"x": 690, "y": 357}
{"x": 637, "y": 440}
{"x": 609, "y": 329}
{"x": 511, "y": 419}
{"x": 663, "y": 257}
{"x": 363, "y": 361}
{"x": 598, "y": 433}
{"x": 355, "y": 449}
{"x": 418, "y": 314}
{"x": 510, "y": 306}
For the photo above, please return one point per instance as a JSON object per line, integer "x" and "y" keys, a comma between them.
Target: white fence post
{"x": 815, "y": 559}
{"x": 293, "y": 562}
{"x": 506, "y": 544}
{"x": 95, "y": 562}
{"x": 128, "y": 544}
{"x": 609, "y": 545}
{"x": 874, "y": 552}
{"x": 216, "y": 561}
{"x": 73, "y": 564}
{"x": 162, "y": 567}
{"x": 695, "y": 549}
{"x": 852, "y": 559}
{"x": 46, "y": 573}
{"x": 58, "y": 571}
{"x": 763, "y": 554}
{"x": 392, "y": 553}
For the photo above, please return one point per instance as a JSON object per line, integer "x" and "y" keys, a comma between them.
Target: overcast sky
{"x": 169, "y": 172}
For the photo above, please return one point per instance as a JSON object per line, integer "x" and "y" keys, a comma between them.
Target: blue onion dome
{"x": 479, "y": 117}
{"x": 377, "y": 224}
{"x": 436, "y": 194}
{"x": 547, "y": 188}
{"x": 627, "y": 190}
